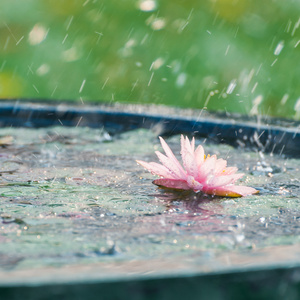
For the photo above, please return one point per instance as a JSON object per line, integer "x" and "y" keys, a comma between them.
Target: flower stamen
{"x": 206, "y": 156}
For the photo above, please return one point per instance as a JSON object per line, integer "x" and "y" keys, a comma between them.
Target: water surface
{"x": 74, "y": 196}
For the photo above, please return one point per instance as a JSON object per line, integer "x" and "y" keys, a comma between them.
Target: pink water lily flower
{"x": 200, "y": 172}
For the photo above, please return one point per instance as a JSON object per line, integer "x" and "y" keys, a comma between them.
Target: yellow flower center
{"x": 206, "y": 157}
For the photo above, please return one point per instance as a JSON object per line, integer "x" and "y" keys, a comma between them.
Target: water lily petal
{"x": 156, "y": 169}
{"x": 171, "y": 156}
{"x": 192, "y": 144}
{"x": 190, "y": 164}
{"x": 194, "y": 184}
{"x": 232, "y": 191}
{"x": 224, "y": 180}
{"x": 188, "y": 157}
{"x": 172, "y": 184}
{"x": 242, "y": 190}
{"x": 199, "y": 156}
{"x": 229, "y": 171}
{"x": 207, "y": 168}
{"x": 170, "y": 165}
{"x": 220, "y": 166}
{"x": 183, "y": 150}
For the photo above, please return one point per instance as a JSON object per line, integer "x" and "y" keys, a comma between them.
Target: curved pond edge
{"x": 258, "y": 136}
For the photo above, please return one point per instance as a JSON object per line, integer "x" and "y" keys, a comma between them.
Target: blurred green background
{"x": 224, "y": 55}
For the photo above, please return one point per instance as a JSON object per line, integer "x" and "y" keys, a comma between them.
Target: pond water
{"x": 77, "y": 196}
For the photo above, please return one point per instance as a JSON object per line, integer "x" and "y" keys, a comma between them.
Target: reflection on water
{"x": 76, "y": 195}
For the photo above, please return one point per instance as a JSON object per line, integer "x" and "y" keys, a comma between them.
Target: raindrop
{"x": 297, "y": 24}
{"x": 37, "y": 34}
{"x": 227, "y": 50}
{"x": 258, "y": 70}
{"x": 254, "y": 87}
{"x": 5, "y": 24}
{"x": 36, "y": 89}
{"x": 284, "y": 99}
{"x": 288, "y": 26}
{"x": 158, "y": 24}
{"x": 256, "y": 102}
{"x": 157, "y": 64}
{"x": 147, "y": 5}
{"x": 150, "y": 78}
{"x": 279, "y": 48}
{"x": 231, "y": 86}
{"x": 66, "y": 36}
{"x": 297, "y": 108}
{"x": 30, "y": 69}
{"x": 130, "y": 43}
{"x": 274, "y": 62}
{"x": 42, "y": 70}
{"x": 144, "y": 38}
{"x": 19, "y": 41}
{"x": 70, "y": 54}
{"x": 53, "y": 91}
{"x": 79, "y": 121}
{"x": 86, "y": 2}
{"x": 100, "y": 35}
{"x": 181, "y": 79}
{"x": 6, "y": 43}
{"x": 82, "y": 85}
{"x": 134, "y": 85}
{"x": 239, "y": 237}
{"x": 104, "y": 84}
{"x": 297, "y": 105}
{"x": 69, "y": 24}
